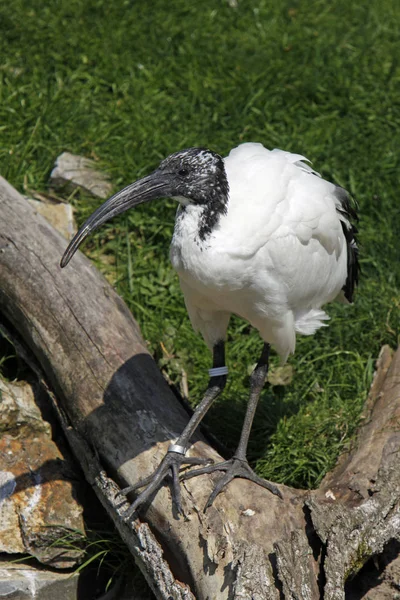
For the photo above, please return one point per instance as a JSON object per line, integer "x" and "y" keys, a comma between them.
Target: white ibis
{"x": 258, "y": 234}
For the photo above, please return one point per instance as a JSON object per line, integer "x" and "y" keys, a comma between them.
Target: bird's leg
{"x": 175, "y": 456}
{"x": 238, "y": 465}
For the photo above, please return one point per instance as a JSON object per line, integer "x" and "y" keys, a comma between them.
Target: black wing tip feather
{"x": 349, "y": 205}
{"x": 348, "y": 211}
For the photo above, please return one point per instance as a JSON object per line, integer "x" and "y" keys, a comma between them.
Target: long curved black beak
{"x": 155, "y": 185}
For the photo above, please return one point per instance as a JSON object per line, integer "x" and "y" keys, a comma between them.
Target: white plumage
{"x": 275, "y": 258}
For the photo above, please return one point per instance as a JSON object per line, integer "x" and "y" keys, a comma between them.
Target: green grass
{"x": 130, "y": 82}
{"x": 104, "y": 561}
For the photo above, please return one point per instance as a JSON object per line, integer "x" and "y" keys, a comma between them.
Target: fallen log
{"x": 120, "y": 416}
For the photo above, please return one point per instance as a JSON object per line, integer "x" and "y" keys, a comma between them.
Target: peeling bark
{"x": 356, "y": 510}
{"x": 119, "y": 416}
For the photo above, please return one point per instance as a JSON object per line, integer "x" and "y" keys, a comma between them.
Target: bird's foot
{"x": 167, "y": 469}
{"x": 235, "y": 467}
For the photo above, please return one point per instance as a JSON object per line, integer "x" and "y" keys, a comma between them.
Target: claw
{"x": 222, "y": 466}
{"x": 168, "y": 468}
{"x": 136, "y": 486}
{"x": 235, "y": 467}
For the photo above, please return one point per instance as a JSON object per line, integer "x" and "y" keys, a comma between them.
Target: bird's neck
{"x": 198, "y": 221}
{"x": 210, "y": 215}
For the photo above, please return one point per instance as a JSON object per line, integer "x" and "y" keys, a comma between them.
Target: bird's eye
{"x": 183, "y": 172}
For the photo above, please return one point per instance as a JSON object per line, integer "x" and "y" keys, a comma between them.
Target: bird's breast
{"x": 192, "y": 259}
{"x": 200, "y": 263}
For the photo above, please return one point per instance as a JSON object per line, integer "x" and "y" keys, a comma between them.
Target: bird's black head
{"x": 195, "y": 176}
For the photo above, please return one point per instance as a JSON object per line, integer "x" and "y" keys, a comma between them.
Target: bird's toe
{"x": 232, "y": 468}
{"x": 167, "y": 470}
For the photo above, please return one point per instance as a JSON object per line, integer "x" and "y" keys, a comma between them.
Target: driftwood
{"x": 119, "y": 416}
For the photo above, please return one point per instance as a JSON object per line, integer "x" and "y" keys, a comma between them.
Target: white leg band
{"x": 217, "y": 371}
{"x": 176, "y": 448}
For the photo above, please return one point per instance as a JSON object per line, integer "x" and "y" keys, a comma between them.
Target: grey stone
{"x": 28, "y": 583}
{"x": 72, "y": 171}
{"x": 58, "y": 214}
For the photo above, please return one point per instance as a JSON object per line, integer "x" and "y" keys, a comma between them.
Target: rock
{"x": 29, "y": 583}
{"x": 280, "y": 375}
{"x": 38, "y": 486}
{"x": 277, "y": 375}
{"x": 72, "y": 171}
{"x": 58, "y": 214}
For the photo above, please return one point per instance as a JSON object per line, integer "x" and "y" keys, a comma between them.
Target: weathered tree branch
{"x": 119, "y": 416}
